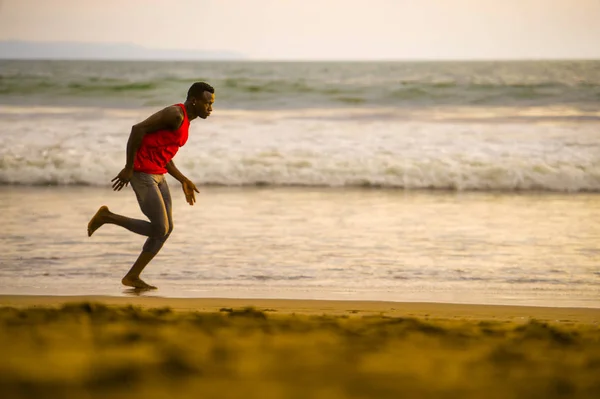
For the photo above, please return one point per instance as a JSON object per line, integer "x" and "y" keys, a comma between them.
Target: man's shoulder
{"x": 172, "y": 115}
{"x": 174, "y": 110}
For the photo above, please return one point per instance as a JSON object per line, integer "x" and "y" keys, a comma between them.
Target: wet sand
{"x": 153, "y": 347}
{"x": 529, "y": 249}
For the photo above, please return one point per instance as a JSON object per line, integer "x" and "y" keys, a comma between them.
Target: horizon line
{"x": 283, "y": 60}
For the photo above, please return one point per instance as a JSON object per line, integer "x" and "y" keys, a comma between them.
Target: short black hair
{"x": 198, "y": 88}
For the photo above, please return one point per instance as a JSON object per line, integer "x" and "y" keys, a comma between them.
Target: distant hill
{"x": 14, "y": 49}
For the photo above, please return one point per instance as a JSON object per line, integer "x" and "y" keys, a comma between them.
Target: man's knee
{"x": 161, "y": 230}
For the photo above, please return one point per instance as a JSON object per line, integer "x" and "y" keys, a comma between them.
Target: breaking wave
{"x": 55, "y": 166}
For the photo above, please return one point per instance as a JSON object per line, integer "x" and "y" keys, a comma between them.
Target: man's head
{"x": 201, "y": 96}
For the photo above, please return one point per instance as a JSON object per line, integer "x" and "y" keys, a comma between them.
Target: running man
{"x": 151, "y": 147}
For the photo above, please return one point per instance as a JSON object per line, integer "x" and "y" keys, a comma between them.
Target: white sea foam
{"x": 311, "y": 148}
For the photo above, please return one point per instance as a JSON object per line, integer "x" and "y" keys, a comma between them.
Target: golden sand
{"x": 104, "y": 347}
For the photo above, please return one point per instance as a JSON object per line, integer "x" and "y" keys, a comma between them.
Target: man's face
{"x": 203, "y": 105}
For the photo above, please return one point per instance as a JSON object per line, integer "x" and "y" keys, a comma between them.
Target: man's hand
{"x": 122, "y": 179}
{"x": 188, "y": 190}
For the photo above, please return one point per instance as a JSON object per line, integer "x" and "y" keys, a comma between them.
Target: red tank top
{"x": 158, "y": 148}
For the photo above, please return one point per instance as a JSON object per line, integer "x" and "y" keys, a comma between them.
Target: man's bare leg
{"x": 97, "y": 220}
{"x": 104, "y": 215}
{"x": 155, "y": 202}
{"x": 132, "y": 278}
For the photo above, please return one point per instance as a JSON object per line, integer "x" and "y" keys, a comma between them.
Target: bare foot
{"x": 137, "y": 282}
{"x": 97, "y": 220}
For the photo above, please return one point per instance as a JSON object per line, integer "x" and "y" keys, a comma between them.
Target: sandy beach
{"x": 445, "y": 311}
{"x": 117, "y": 347}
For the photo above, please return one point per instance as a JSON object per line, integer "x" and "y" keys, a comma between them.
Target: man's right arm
{"x": 169, "y": 118}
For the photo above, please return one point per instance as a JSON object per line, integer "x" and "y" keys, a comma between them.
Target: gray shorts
{"x": 153, "y": 195}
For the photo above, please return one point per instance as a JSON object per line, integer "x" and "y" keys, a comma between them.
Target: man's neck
{"x": 190, "y": 110}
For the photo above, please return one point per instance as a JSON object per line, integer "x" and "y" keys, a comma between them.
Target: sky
{"x": 321, "y": 29}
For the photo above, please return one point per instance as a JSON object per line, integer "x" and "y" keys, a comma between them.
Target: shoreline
{"x": 426, "y": 310}
{"x": 322, "y": 188}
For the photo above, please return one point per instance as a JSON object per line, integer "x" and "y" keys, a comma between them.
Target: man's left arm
{"x": 186, "y": 184}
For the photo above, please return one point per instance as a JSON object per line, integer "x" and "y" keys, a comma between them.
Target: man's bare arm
{"x": 186, "y": 184}
{"x": 173, "y": 171}
{"x": 167, "y": 118}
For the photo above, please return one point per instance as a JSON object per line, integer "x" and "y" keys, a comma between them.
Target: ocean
{"x": 470, "y": 182}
